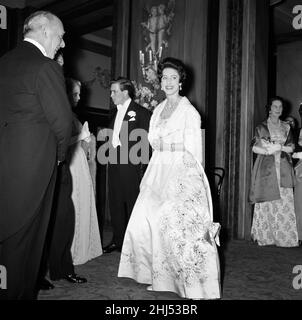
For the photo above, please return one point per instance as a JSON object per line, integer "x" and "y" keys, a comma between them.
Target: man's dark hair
{"x": 125, "y": 84}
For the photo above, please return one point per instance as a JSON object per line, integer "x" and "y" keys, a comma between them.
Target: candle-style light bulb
{"x": 160, "y": 51}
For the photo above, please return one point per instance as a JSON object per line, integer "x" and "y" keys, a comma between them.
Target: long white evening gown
{"x": 86, "y": 242}
{"x": 170, "y": 241}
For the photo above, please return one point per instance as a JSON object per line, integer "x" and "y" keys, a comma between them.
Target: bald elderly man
{"x": 35, "y": 129}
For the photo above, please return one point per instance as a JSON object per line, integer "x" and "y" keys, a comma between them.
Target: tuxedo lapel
{"x": 130, "y": 108}
{"x": 130, "y": 114}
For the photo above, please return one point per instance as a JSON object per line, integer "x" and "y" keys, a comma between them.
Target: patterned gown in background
{"x": 86, "y": 242}
{"x": 274, "y": 222}
{"x": 298, "y": 192}
{"x": 170, "y": 239}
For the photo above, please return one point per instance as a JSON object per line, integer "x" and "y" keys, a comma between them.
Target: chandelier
{"x": 149, "y": 63}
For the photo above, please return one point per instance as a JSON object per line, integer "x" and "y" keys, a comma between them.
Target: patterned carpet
{"x": 249, "y": 272}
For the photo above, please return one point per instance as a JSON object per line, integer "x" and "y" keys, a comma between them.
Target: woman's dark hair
{"x": 174, "y": 64}
{"x": 125, "y": 84}
{"x": 270, "y": 102}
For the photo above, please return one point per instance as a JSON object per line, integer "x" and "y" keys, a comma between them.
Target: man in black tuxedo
{"x": 35, "y": 129}
{"x": 126, "y": 170}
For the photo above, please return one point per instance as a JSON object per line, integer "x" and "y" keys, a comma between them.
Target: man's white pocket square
{"x": 132, "y": 119}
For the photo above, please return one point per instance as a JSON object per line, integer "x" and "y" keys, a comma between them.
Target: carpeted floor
{"x": 249, "y": 272}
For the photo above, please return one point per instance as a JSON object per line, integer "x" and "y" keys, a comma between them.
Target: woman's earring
{"x": 180, "y": 86}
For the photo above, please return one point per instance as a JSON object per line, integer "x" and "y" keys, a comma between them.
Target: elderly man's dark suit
{"x": 35, "y": 129}
{"x": 124, "y": 178}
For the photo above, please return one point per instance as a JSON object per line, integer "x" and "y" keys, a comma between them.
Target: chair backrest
{"x": 219, "y": 174}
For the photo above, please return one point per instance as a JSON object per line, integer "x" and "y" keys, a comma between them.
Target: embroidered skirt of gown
{"x": 169, "y": 242}
{"x": 298, "y": 198}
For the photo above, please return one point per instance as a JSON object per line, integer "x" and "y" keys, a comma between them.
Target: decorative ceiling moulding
{"x": 75, "y": 8}
{"x": 83, "y": 16}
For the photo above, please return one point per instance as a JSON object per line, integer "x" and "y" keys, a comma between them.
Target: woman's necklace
{"x": 172, "y": 105}
{"x": 169, "y": 109}
{"x": 275, "y": 122}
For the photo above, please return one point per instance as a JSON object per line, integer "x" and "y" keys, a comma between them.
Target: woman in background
{"x": 170, "y": 239}
{"x": 86, "y": 242}
{"x": 274, "y": 221}
{"x": 298, "y": 186}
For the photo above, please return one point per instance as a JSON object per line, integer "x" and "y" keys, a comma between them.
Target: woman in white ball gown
{"x": 170, "y": 241}
{"x": 86, "y": 242}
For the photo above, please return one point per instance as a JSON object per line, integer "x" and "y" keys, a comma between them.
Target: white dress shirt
{"x": 37, "y": 44}
{"x": 121, "y": 111}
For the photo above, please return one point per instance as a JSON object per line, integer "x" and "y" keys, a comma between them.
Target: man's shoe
{"x": 74, "y": 278}
{"x": 44, "y": 284}
{"x": 112, "y": 247}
